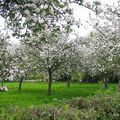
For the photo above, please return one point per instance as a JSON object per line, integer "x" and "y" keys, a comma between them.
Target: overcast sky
{"x": 81, "y": 14}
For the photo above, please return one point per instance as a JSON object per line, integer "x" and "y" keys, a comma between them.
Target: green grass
{"x": 36, "y": 93}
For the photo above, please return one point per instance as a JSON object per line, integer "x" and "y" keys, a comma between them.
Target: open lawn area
{"x": 36, "y": 93}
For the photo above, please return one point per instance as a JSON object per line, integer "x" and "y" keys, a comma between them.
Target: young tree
{"x": 5, "y": 59}
{"x": 22, "y": 64}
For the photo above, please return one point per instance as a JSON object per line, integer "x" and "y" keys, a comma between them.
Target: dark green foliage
{"x": 109, "y": 76}
{"x": 64, "y": 77}
{"x": 86, "y": 77}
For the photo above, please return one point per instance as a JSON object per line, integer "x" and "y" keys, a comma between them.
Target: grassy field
{"x": 36, "y": 93}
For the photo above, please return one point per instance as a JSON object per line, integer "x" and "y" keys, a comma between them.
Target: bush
{"x": 80, "y": 103}
{"x": 100, "y": 107}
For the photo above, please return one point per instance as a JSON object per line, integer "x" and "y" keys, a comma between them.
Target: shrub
{"x": 80, "y": 103}
{"x": 100, "y": 107}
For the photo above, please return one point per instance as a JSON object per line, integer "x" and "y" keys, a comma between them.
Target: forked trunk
{"x": 20, "y": 83}
{"x": 49, "y": 82}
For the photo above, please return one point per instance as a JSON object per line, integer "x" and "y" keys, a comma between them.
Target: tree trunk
{"x": 2, "y": 83}
{"x": 20, "y": 83}
{"x": 49, "y": 81}
{"x": 68, "y": 83}
{"x": 69, "y": 79}
{"x": 119, "y": 85}
{"x": 105, "y": 83}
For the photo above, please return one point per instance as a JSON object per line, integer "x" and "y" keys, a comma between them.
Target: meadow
{"x": 36, "y": 93}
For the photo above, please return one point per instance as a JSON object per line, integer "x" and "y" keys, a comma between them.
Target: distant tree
{"x": 103, "y": 58}
{"x": 72, "y": 60}
{"x": 22, "y": 64}
{"x": 5, "y": 59}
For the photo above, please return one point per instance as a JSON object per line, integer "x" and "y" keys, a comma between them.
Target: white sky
{"x": 81, "y": 14}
